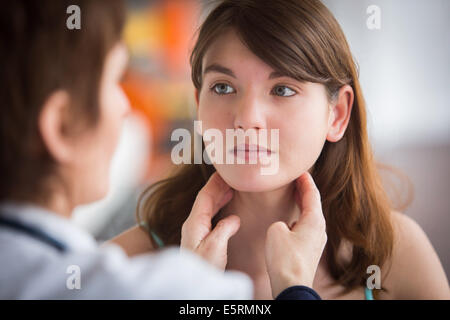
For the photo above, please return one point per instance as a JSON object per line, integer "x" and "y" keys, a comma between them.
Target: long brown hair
{"x": 301, "y": 39}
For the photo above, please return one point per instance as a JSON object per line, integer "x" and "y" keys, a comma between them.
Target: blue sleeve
{"x": 298, "y": 293}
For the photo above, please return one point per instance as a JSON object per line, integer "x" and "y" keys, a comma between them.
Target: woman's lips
{"x": 250, "y": 151}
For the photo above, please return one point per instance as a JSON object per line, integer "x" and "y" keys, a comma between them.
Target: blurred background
{"x": 404, "y": 71}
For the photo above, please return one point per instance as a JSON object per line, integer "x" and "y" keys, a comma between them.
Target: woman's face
{"x": 240, "y": 91}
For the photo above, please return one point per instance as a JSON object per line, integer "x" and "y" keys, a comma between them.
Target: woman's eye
{"x": 283, "y": 91}
{"x": 223, "y": 88}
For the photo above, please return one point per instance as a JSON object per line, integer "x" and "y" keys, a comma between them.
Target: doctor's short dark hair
{"x": 40, "y": 54}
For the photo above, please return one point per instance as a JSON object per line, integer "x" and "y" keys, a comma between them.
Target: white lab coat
{"x": 33, "y": 269}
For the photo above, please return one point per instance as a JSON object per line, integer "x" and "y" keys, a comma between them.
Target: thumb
{"x": 224, "y": 230}
{"x": 215, "y": 247}
{"x": 308, "y": 199}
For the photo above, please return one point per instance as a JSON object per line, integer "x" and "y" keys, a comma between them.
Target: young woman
{"x": 285, "y": 64}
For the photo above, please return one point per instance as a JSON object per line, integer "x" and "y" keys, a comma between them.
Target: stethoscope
{"x": 33, "y": 232}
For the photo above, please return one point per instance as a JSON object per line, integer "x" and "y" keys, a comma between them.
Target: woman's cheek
{"x": 300, "y": 146}
{"x": 211, "y": 118}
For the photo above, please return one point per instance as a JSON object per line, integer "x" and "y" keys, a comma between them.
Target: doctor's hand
{"x": 293, "y": 254}
{"x": 196, "y": 233}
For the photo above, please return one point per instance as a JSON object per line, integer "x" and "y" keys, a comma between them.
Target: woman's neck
{"x": 258, "y": 210}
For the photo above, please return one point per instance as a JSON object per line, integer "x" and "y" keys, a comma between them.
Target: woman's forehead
{"x": 229, "y": 52}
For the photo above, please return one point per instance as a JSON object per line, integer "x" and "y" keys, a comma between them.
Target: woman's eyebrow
{"x": 215, "y": 67}
{"x": 277, "y": 74}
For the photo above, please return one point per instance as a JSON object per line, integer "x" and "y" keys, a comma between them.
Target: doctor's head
{"x": 275, "y": 65}
{"x": 62, "y": 105}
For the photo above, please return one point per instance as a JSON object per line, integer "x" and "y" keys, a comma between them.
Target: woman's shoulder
{"x": 414, "y": 270}
{"x": 134, "y": 241}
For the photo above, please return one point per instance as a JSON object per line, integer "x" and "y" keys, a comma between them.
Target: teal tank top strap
{"x": 368, "y": 293}
{"x": 155, "y": 237}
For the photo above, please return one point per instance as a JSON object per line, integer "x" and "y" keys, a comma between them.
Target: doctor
{"x": 61, "y": 113}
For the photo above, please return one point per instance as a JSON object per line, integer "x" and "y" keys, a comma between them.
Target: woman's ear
{"x": 52, "y": 123}
{"x": 340, "y": 114}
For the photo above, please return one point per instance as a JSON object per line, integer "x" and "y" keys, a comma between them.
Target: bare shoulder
{"x": 414, "y": 271}
{"x": 134, "y": 241}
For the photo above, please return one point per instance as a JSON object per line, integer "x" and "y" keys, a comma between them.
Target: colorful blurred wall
{"x": 160, "y": 35}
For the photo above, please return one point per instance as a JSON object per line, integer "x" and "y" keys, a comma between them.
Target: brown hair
{"x": 300, "y": 39}
{"x": 40, "y": 55}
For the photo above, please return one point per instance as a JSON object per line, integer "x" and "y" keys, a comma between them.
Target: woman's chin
{"x": 249, "y": 178}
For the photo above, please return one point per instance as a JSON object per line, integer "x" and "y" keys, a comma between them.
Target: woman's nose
{"x": 249, "y": 114}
